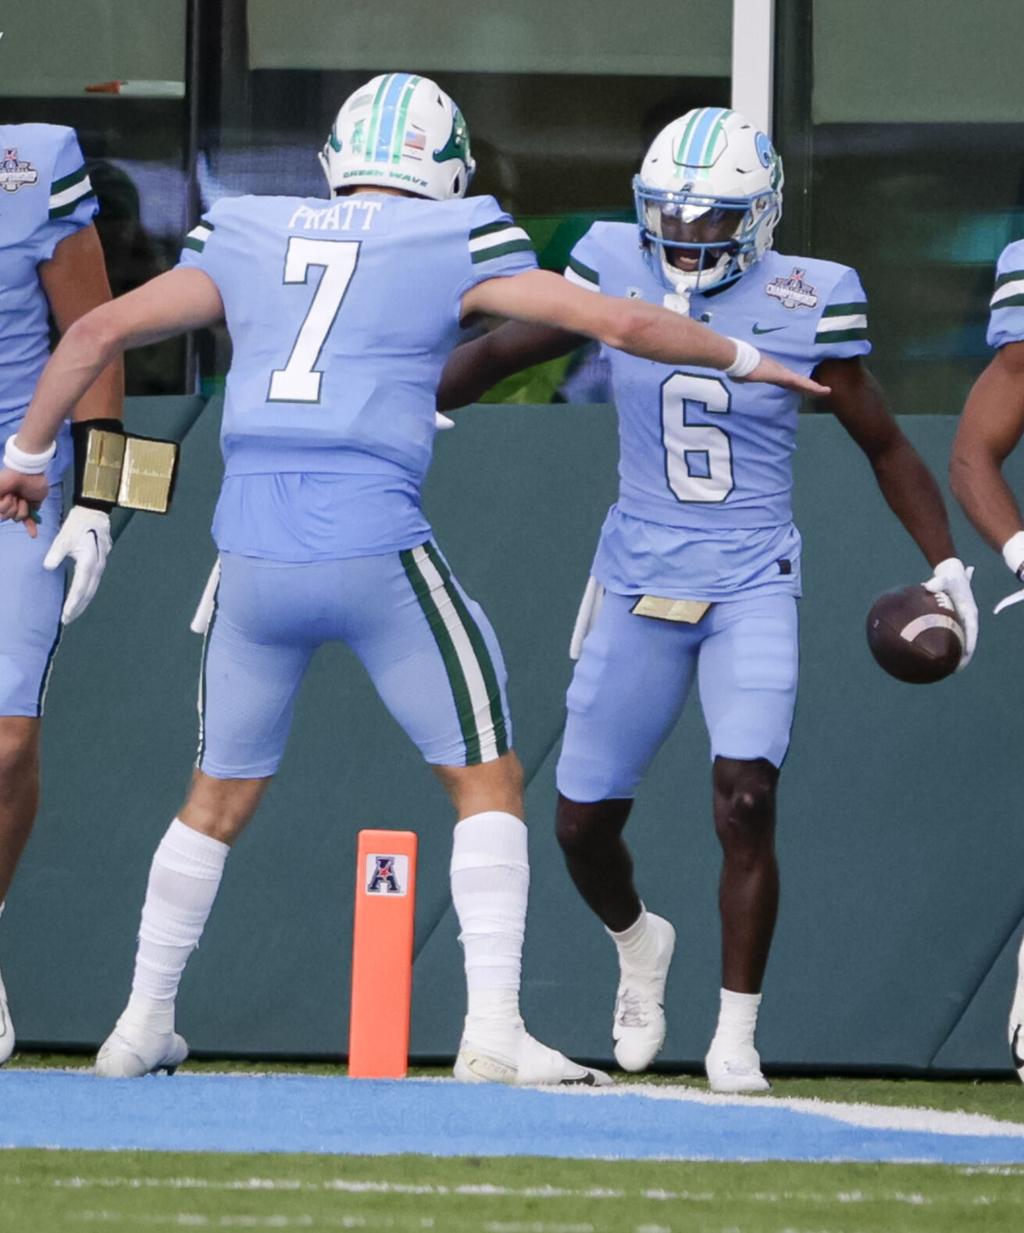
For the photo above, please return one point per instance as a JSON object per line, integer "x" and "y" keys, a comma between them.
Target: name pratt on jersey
{"x": 341, "y": 216}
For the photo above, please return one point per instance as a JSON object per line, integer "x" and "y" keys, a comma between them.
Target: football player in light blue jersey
{"x": 991, "y": 427}
{"x": 697, "y": 571}
{"x": 341, "y": 315}
{"x": 51, "y": 262}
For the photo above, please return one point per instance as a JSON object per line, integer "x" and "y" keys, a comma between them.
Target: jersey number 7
{"x": 299, "y": 380}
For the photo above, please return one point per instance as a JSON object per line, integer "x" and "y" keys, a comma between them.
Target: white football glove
{"x": 85, "y": 537}
{"x": 951, "y": 577}
{"x": 443, "y": 422}
{"x": 1013, "y": 555}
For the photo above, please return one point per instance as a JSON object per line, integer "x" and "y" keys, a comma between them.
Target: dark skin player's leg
{"x": 748, "y": 889}
{"x": 598, "y": 860}
{"x": 599, "y": 863}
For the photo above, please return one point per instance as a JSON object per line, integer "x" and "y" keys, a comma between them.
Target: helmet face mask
{"x": 708, "y": 197}
{"x": 399, "y": 131}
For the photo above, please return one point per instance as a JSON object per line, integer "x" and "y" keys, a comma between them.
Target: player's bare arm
{"x": 991, "y": 426}
{"x": 476, "y": 366}
{"x": 906, "y": 483}
{"x": 544, "y": 298}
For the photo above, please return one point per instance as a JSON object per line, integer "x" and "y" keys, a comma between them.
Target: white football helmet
{"x": 708, "y": 196}
{"x": 399, "y": 131}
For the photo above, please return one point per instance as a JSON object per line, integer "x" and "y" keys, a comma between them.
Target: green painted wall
{"x": 901, "y": 842}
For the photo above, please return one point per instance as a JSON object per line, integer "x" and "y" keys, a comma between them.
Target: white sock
{"x": 737, "y": 1018}
{"x": 490, "y": 877}
{"x": 183, "y": 882}
{"x": 637, "y": 946}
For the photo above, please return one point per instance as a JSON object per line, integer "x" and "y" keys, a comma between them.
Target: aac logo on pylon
{"x": 386, "y": 874}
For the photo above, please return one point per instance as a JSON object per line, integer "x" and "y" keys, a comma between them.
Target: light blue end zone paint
{"x": 287, "y": 1113}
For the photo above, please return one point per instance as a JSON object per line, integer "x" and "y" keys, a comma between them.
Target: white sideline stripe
{"x": 874, "y": 1117}
{"x": 931, "y": 620}
{"x": 570, "y": 276}
{"x": 829, "y": 325}
{"x": 494, "y": 239}
{"x": 482, "y": 1190}
{"x": 80, "y": 188}
{"x": 1006, "y": 291}
{"x": 464, "y": 652}
{"x": 200, "y": 232}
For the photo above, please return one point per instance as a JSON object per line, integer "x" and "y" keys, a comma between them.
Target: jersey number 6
{"x": 299, "y": 380}
{"x": 698, "y": 457}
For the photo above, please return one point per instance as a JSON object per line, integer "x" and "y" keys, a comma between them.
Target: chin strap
{"x": 677, "y": 303}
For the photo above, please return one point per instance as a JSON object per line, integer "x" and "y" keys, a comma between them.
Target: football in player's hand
{"x": 915, "y": 635}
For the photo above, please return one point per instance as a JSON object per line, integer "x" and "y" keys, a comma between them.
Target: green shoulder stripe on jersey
{"x": 834, "y": 336}
{"x": 490, "y": 229}
{"x": 584, "y": 271}
{"x": 1012, "y": 277}
{"x": 1011, "y": 301}
{"x": 501, "y": 250}
{"x": 64, "y": 210}
{"x": 200, "y": 233}
{"x": 76, "y": 177}
{"x": 846, "y": 310}
{"x": 476, "y": 640}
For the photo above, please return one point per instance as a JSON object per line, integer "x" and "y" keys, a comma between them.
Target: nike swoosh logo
{"x": 769, "y": 329}
{"x": 1018, "y": 1061}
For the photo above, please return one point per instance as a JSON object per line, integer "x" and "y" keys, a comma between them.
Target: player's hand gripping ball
{"x": 915, "y": 635}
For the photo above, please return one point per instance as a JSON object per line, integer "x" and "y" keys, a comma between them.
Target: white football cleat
{"x": 6, "y": 1027}
{"x": 638, "y": 1027}
{"x": 734, "y": 1068}
{"x": 534, "y": 1065}
{"x": 132, "y": 1050}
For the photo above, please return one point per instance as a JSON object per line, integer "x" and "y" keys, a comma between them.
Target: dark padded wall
{"x": 902, "y": 855}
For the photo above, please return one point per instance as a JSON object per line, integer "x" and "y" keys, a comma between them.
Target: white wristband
{"x": 27, "y": 464}
{"x": 747, "y": 359}
{"x": 1013, "y": 553}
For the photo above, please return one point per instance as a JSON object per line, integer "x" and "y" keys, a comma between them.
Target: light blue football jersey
{"x": 705, "y": 477}
{"x": 1006, "y": 308}
{"x": 45, "y": 196}
{"x": 341, "y": 315}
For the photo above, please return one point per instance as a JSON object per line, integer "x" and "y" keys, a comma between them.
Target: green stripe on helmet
{"x": 376, "y": 112}
{"x": 398, "y": 137}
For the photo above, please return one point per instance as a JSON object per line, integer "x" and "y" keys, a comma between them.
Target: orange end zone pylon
{"x": 378, "y": 1034}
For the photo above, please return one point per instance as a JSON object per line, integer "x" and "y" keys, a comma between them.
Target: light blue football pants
{"x": 635, "y": 673}
{"x": 30, "y": 602}
{"x": 429, "y": 649}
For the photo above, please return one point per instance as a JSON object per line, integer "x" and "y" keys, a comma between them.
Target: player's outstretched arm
{"x": 170, "y": 304}
{"x": 654, "y": 333}
{"x": 906, "y": 483}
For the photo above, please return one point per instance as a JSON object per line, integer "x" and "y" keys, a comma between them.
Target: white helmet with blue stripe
{"x": 399, "y": 131}
{"x": 708, "y": 196}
